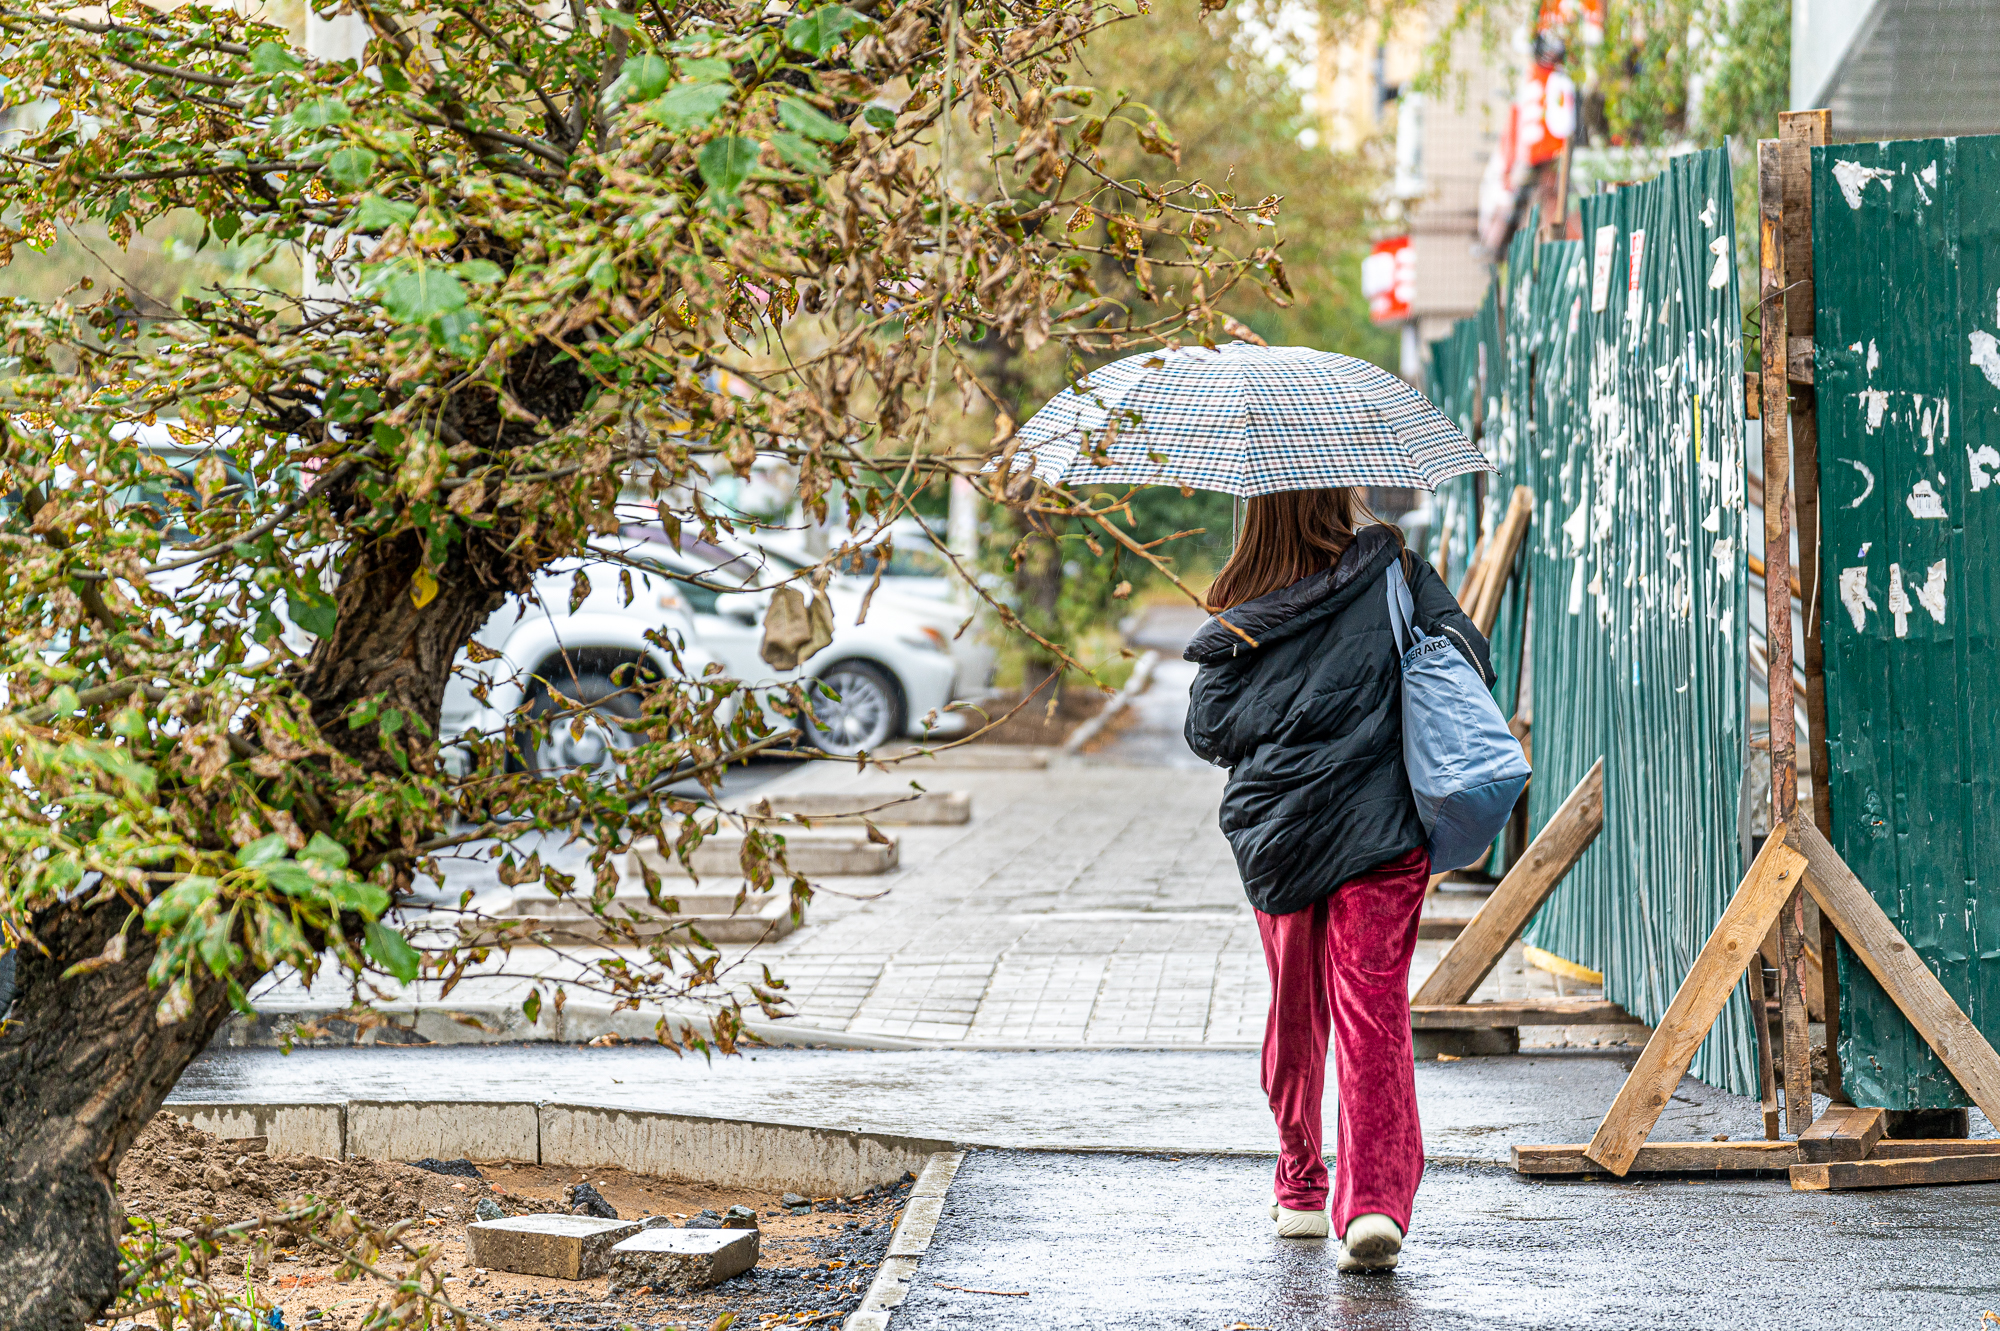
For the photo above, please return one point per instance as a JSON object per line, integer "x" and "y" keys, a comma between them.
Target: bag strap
{"x": 1402, "y": 609}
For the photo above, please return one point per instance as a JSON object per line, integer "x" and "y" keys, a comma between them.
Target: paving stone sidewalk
{"x": 1093, "y": 903}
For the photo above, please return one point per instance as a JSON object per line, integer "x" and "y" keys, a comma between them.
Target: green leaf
{"x": 312, "y": 610}
{"x": 323, "y": 849}
{"x": 130, "y": 722}
{"x": 272, "y": 58}
{"x": 321, "y": 112}
{"x": 643, "y": 77}
{"x": 457, "y": 331}
{"x": 351, "y": 168}
{"x": 727, "y": 162}
{"x": 226, "y": 226}
{"x": 618, "y": 18}
{"x": 416, "y": 293}
{"x": 481, "y": 271}
{"x": 178, "y": 902}
{"x": 375, "y": 213}
{"x": 881, "y": 117}
{"x": 603, "y": 273}
{"x": 392, "y": 952}
{"x": 63, "y": 701}
{"x": 346, "y": 893}
{"x": 822, "y": 30}
{"x": 295, "y": 879}
{"x": 690, "y": 106}
{"x": 531, "y": 1007}
{"x": 799, "y": 153}
{"x": 807, "y": 119}
{"x": 703, "y": 71}
{"x": 264, "y": 850}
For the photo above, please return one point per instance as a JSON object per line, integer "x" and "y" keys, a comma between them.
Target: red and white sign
{"x": 1389, "y": 279}
{"x": 1545, "y": 116}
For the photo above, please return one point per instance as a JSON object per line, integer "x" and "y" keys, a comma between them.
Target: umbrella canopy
{"x": 1246, "y": 420}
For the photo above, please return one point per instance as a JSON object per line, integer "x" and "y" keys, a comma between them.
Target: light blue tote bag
{"x": 1466, "y": 768}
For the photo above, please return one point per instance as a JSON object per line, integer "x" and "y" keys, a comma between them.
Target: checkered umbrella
{"x": 1246, "y": 420}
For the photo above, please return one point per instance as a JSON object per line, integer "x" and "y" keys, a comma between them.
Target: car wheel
{"x": 591, "y": 742}
{"x": 865, "y": 711}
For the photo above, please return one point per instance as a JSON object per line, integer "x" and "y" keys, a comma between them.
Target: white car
{"x": 883, "y": 678}
{"x": 588, "y": 653}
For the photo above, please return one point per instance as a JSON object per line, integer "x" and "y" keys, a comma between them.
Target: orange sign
{"x": 1389, "y": 279}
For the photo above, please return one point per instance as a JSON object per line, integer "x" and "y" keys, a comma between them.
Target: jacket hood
{"x": 1278, "y": 615}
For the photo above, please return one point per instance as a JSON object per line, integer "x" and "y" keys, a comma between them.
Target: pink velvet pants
{"x": 1341, "y": 968}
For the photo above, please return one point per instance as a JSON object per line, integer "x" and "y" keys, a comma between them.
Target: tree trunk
{"x": 87, "y": 1063}
{"x": 385, "y": 644}
{"x": 83, "y": 1069}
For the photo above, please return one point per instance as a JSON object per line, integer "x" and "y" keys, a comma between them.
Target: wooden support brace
{"x": 1924, "y": 1171}
{"x": 1521, "y": 893}
{"x": 1664, "y": 1158}
{"x": 1767, "y": 1080}
{"x": 1923, "y": 1148}
{"x": 1844, "y": 1133}
{"x": 1697, "y": 1003}
{"x": 1799, "y": 132}
{"x": 1517, "y": 1012}
{"x": 1881, "y": 947}
{"x": 1500, "y": 558}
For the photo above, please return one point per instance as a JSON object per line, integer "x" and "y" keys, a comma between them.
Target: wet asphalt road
{"x": 1140, "y": 1242}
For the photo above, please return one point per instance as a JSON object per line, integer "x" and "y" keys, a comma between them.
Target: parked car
{"x": 917, "y": 581}
{"x": 879, "y": 679}
{"x": 592, "y": 652}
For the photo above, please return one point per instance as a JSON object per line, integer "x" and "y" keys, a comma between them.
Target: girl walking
{"x": 1299, "y": 696}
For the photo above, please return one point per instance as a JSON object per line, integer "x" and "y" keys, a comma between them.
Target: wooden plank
{"x": 1913, "y": 1148}
{"x": 1520, "y": 894}
{"x": 1901, "y": 972}
{"x": 1777, "y": 478}
{"x": 1925, "y": 1172}
{"x": 1795, "y": 1050}
{"x": 1776, "y": 309}
{"x": 1664, "y": 1158}
{"x": 1843, "y": 1132}
{"x": 1518, "y": 1012}
{"x": 1760, "y": 1024}
{"x": 1799, "y": 360}
{"x": 1697, "y": 1003}
{"x": 1801, "y": 132}
{"x": 1501, "y": 556}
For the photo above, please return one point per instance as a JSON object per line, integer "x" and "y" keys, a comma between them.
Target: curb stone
{"x": 907, "y": 1245}
{"x": 1140, "y": 680}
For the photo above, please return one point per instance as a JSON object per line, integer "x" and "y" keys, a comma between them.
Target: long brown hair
{"x": 1286, "y": 536}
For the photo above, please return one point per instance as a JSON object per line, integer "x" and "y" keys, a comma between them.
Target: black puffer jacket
{"x": 1309, "y": 723}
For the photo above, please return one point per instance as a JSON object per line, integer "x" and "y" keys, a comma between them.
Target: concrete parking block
{"x": 930, "y": 808}
{"x": 814, "y": 852}
{"x": 678, "y": 1260}
{"x": 563, "y": 1247}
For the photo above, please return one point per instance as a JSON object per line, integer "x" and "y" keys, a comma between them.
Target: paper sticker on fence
{"x": 1854, "y": 595}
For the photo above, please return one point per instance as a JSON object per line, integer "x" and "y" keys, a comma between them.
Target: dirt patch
{"x": 815, "y": 1262}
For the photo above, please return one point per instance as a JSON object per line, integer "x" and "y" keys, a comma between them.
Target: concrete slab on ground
{"x": 1142, "y": 1242}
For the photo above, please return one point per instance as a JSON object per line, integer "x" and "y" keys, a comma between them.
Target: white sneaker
{"x": 1299, "y": 1224}
{"x": 1372, "y": 1243}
